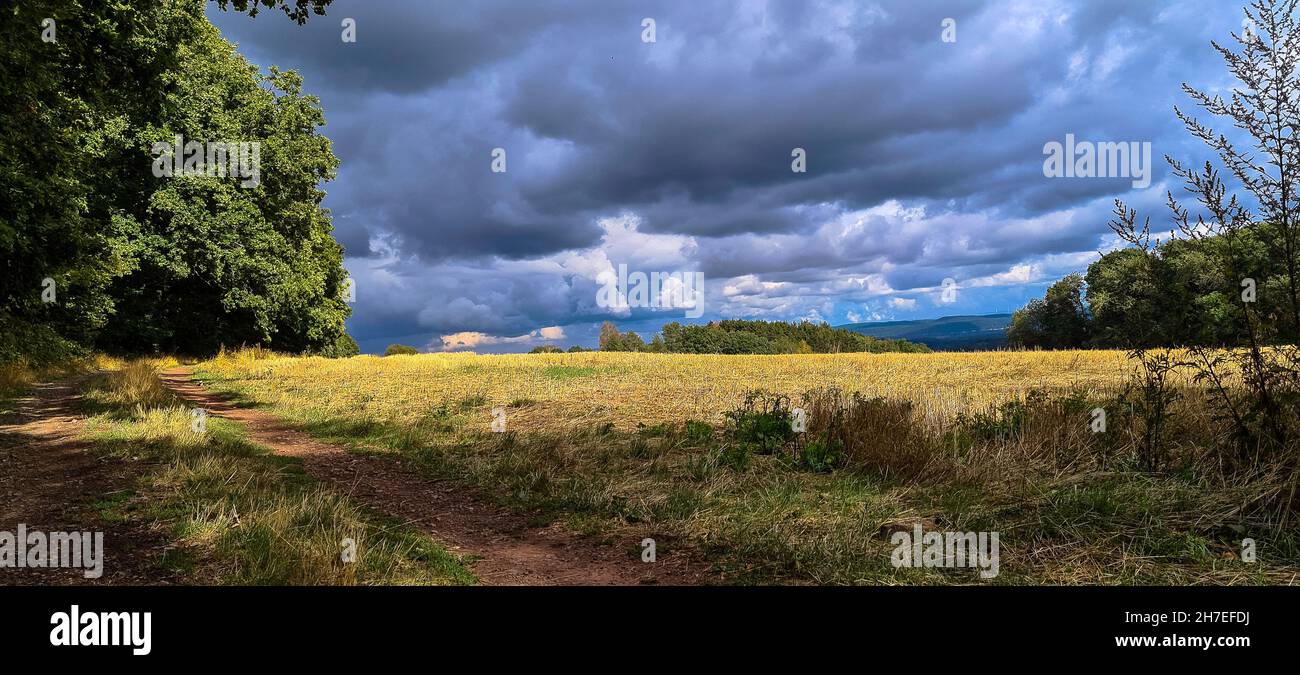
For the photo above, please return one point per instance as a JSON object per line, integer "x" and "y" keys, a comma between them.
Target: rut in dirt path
{"x": 49, "y": 481}
{"x": 510, "y": 551}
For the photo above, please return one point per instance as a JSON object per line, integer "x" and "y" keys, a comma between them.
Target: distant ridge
{"x": 950, "y": 333}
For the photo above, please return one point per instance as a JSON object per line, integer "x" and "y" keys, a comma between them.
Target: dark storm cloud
{"x": 693, "y": 136}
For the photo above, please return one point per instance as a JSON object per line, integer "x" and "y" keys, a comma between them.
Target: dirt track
{"x": 49, "y": 481}
{"x": 509, "y": 551}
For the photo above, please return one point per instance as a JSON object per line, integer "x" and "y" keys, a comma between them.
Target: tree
{"x": 1174, "y": 294}
{"x": 343, "y": 347}
{"x": 609, "y": 335}
{"x": 1266, "y": 107}
{"x": 297, "y": 10}
{"x": 400, "y": 350}
{"x": 68, "y": 108}
{"x": 773, "y": 337}
{"x": 217, "y": 262}
{"x": 627, "y": 342}
{"x": 140, "y": 264}
{"x": 1059, "y": 321}
{"x": 613, "y": 341}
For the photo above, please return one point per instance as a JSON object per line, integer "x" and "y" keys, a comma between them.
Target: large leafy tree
{"x": 1059, "y": 321}
{"x": 142, "y": 263}
{"x": 219, "y": 262}
{"x": 71, "y": 76}
{"x": 1175, "y": 293}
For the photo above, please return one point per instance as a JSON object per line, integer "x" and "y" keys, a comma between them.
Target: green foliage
{"x": 660, "y": 430}
{"x": 762, "y": 423}
{"x": 221, "y": 263}
{"x": 546, "y": 349}
{"x": 736, "y": 457}
{"x": 34, "y": 345}
{"x": 68, "y": 109}
{"x": 698, "y": 432}
{"x": 1002, "y": 422}
{"x": 344, "y": 347}
{"x": 752, "y": 337}
{"x": 297, "y": 10}
{"x": 1058, "y": 321}
{"x": 821, "y": 455}
{"x": 774, "y": 337}
{"x": 613, "y": 341}
{"x": 1177, "y": 294}
{"x": 400, "y": 350}
{"x": 142, "y": 263}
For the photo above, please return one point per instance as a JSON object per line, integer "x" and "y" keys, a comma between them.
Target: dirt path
{"x": 49, "y": 481}
{"x": 510, "y": 551}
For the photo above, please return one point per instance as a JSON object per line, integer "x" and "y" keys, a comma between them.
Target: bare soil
{"x": 51, "y": 481}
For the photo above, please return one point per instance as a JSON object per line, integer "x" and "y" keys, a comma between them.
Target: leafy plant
{"x": 698, "y": 432}
{"x": 821, "y": 455}
{"x": 763, "y": 422}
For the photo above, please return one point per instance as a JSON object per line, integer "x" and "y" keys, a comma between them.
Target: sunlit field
{"x": 623, "y": 446}
{"x": 557, "y": 391}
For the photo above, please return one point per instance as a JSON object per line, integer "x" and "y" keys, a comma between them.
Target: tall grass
{"x": 239, "y": 514}
{"x": 32, "y": 352}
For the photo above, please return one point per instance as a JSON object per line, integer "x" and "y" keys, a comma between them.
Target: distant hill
{"x": 951, "y": 333}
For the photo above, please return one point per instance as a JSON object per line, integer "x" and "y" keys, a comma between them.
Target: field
{"x": 624, "y": 446}
{"x": 566, "y": 391}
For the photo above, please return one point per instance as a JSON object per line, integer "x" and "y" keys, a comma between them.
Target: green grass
{"x": 568, "y": 372}
{"x": 237, "y": 513}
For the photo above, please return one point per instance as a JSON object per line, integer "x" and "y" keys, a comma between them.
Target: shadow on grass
{"x": 239, "y": 513}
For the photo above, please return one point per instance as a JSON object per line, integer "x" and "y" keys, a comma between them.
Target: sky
{"x": 921, "y": 127}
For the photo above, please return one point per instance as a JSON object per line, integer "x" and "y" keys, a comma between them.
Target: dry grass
{"x": 238, "y": 514}
{"x": 17, "y": 376}
{"x": 569, "y": 391}
{"x": 956, "y": 440}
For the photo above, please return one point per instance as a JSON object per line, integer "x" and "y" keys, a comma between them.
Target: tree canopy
{"x": 142, "y": 263}
{"x": 1177, "y": 294}
{"x": 752, "y": 337}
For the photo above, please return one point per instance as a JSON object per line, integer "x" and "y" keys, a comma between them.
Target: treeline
{"x": 1179, "y": 293}
{"x": 1217, "y": 297}
{"x": 751, "y": 337}
{"x": 97, "y": 249}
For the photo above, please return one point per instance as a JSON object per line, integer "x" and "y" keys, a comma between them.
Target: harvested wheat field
{"x": 681, "y": 449}
{"x": 570, "y": 390}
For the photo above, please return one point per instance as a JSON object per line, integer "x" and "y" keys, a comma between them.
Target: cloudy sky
{"x": 924, "y": 158}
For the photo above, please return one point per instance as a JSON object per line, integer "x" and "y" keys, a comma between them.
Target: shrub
{"x": 763, "y": 422}
{"x": 698, "y": 432}
{"x": 873, "y": 435}
{"x": 821, "y": 455}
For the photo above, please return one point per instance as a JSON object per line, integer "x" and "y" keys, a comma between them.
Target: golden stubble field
{"x": 558, "y": 391}
{"x": 1069, "y": 505}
